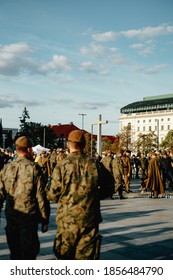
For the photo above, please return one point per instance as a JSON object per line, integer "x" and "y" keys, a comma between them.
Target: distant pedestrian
{"x": 127, "y": 169}
{"x": 154, "y": 181}
{"x": 44, "y": 163}
{"x": 167, "y": 169}
{"x": 107, "y": 161}
{"x": 117, "y": 167}
{"x": 144, "y": 170}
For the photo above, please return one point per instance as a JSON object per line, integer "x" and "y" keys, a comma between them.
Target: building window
{"x": 168, "y": 119}
{"x": 149, "y": 128}
{"x": 162, "y": 120}
{"x": 138, "y": 121}
{"x": 143, "y": 128}
{"x": 162, "y": 127}
{"x": 149, "y": 120}
{"x": 168, "y": 127}
{"x": 138, "y": 128}
{"x": 143, "y": 121}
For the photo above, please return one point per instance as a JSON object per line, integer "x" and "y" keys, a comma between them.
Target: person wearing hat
{"x": 23, "y": 188}
{"x": 44, "y": 163}
{"x": 127, "y": 169}
{"x": 154, "y": 181}
{"x": 74, "y": 187}
{"x": 117, "y": 167}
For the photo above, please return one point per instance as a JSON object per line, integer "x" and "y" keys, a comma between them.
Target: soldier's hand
{"x": 44, "y": 228}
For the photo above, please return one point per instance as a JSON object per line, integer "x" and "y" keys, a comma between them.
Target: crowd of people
{"x": 73, "y": 180}
{"x": 154, "y": 170}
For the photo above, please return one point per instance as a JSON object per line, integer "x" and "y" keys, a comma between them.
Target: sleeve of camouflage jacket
{"x": 43, "y": 203}
{"x": 54, "y": 188}
{"x": 2, "y": 192}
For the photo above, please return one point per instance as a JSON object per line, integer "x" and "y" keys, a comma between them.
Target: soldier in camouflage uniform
{"x": 127, "y": 170}
{"x": 44, "y": 163}
{"x": 53, "y": 160}
{"x": 21, "y": 185}
{"x": 74, "y": 187}
{"x": 107, "y": 161}
{"x": 117, "y": 166}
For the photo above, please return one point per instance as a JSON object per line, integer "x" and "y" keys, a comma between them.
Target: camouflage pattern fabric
{"x": 53, "y": 160}
{"x": 74, "y": 185}
{"x": 127, "y": 171}
{"x": 73, "y": 242}
{"x": 107, "y": 162}
{"x": 118, "y": 173}
{"x": 23, "y": 188}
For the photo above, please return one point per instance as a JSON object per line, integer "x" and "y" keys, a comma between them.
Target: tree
{"x": 146, "y": 142}
{"x": 106, "y": 143}
{"x": 116, "y": 143}
{"x": 125, "y": 137}
{"x": 23, "y": 122}
{"x": 8, "y": 140}
{"x": 88, "y": 144}
{"x": 1, "y": 136}
{"x": 167, "y": 143}
{"x": 39, "y": 133}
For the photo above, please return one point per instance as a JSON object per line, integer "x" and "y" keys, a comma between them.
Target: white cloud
{"x": 136, "y": 46}
{"x": 96, "y": 50}
{"x": 149, "y": 70}
{"x": 145, "y": 49}
{"x": 143, "y": 33}
{"x": 12, "y": 58}
{"x": 93, "y": 49}
{"x": 89, "y": 67}
{"x": 156, "y": 69}
{"x": 58, "y": 64}
{"x": 8, "y": 101}
{"x": 118, "y": 59}
{"x": 16, "y": 58}
{"x": 105, "y": 37}
{"x": 94, "y": 105}
{"x": 148, "y": 32}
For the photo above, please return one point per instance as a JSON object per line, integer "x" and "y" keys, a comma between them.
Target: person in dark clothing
{"x": 166, "y": 169}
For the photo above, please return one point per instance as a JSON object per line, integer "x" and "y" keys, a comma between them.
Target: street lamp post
{"x": 157, "y": 120}
{"x": 98, "y": 123}
{"x": 83, "y": 115}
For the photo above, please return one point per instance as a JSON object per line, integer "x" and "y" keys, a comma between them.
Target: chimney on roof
{"x": 59, "y": 124}
{"x": 70, "y": 123}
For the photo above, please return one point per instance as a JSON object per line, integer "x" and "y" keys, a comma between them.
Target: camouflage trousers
{"x": 22, "y": 241}
{"x": 74, "y": 243}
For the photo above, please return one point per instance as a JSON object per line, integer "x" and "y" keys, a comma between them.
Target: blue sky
{"x": 60, "y": 59}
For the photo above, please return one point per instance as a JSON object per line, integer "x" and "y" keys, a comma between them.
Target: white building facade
{"x": 152, "y": 114}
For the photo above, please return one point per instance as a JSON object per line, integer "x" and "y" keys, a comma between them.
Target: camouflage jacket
{"x": 117, "y": 165}
{"x": 74, "y": 185}
{"x": 126, "y": 165}
{"x": 23, "y": 188}
{"x": 107, "y": 162}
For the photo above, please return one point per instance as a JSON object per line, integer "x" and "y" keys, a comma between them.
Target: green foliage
{"x": 167, "y": 143}
{"x": 23, "y": 122}
{"x": 146, "y": 142}
{"x": 106, "y": 144}
{"x": 8, "y": 140}
{"x": 1, "y": 138}
{"x": 125, "y": 137}
{"x": 39, "y": 133}
{"x": 88, "y": 144}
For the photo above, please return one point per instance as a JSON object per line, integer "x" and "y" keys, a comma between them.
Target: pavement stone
{"x": 135, "y": 228}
